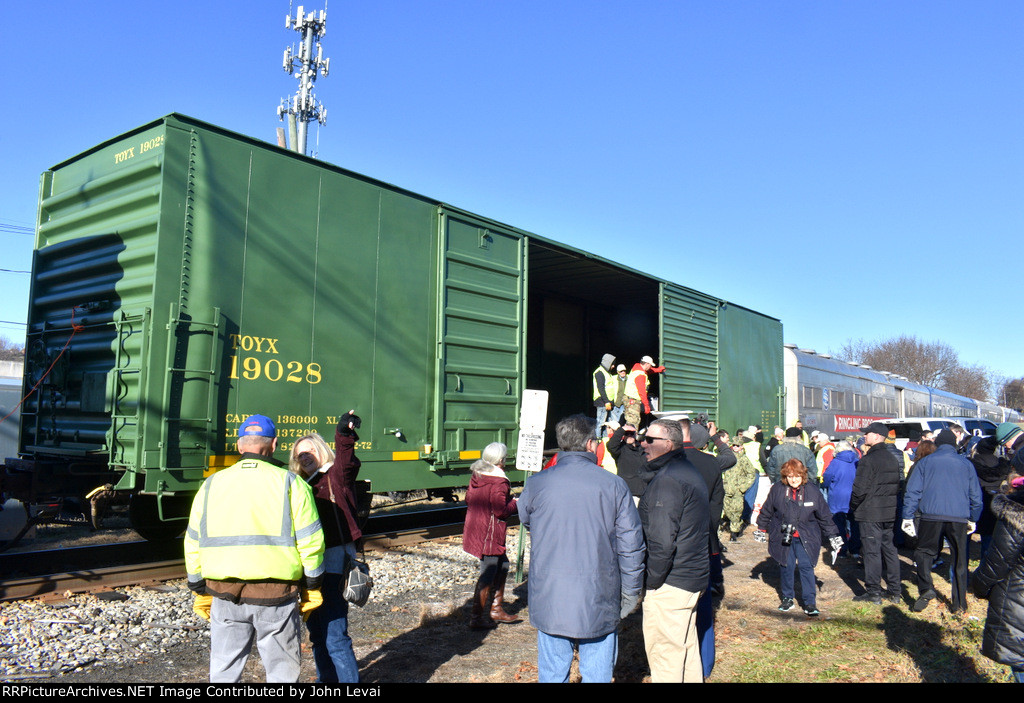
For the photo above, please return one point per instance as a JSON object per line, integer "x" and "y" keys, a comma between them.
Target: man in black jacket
{"x": 628, "y": 452}
{"x": 695, "y": 438}
{"x": 873, "y": 504}
{"x": 675, "y": 516}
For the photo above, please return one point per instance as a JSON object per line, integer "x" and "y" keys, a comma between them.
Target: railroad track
{"x": 50, "y": 575}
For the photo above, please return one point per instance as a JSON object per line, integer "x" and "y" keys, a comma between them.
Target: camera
{"x": 787, "y": 534}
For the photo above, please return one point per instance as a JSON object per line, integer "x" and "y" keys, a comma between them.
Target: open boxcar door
{"x": 479, "y": 336}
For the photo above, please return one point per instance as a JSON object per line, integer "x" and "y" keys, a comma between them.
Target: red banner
{"x": 854, "y": 423}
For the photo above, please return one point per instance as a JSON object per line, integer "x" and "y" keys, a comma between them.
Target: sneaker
{"x": 868, "y": 598}
{"x": 810, "y": 611}
{"x": 894, "y": 598}
{"x": 786, "y": 605}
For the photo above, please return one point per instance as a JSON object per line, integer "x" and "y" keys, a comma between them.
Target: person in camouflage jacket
{"x": 736, "y": 481}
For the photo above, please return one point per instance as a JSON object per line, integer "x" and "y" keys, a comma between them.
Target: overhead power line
{"x": 11, "y": 228}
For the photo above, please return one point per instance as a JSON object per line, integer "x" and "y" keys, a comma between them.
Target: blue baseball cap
{"x": 257, "y": 426}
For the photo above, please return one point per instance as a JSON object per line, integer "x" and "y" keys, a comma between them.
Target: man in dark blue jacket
{"x": 944, "y": 490}
{"x": 676, "y": 518}
{"x": 586, "y": 557}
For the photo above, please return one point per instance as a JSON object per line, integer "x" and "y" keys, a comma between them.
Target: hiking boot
{"x": 869, "y": 597}
{"x": 922, "y": 602}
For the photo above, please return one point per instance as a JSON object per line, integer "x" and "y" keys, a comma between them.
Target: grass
{"x": 849, "y": 642}
{"x": 857, "y": 643}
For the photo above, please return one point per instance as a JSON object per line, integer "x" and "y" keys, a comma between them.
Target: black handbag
{"x": 358, "y": 582}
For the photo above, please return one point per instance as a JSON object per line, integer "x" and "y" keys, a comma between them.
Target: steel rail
{"x": 55, "y": 586}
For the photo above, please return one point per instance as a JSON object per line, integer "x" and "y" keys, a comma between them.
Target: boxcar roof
{"x": 597, "y": 271}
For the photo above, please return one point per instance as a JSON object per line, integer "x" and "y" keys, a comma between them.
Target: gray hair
{"x": 843, "y": 446}
{"x": 494, "y": 453}
{"x": 672, "y": 430}
{"x": 254, "y": 444}
{"x": 491, "y": 459}
{"x": 573, "y": 432}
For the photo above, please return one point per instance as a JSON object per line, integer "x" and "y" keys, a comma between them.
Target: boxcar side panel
{"x": 752, "y": 388}
{"x": 689, "y": 350}
{"x": 480, "y": 350}
{"x": 325, "y": 283}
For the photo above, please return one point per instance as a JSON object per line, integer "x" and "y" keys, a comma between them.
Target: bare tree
{"x": 11, "y": 351}
{"x": 971, "y": 381}
{"x": 1011, "y": 394}
{"x": 928, "y": 363}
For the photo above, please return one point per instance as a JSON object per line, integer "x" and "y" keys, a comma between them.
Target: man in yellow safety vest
{"x": 254, "y": 556}
{"x": 637, "y": 384}
{"x": 605, "y": 383}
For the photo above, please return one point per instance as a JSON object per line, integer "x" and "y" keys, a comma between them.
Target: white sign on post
{"x": 530, "y": 453}
{"x": 533, "y": 414}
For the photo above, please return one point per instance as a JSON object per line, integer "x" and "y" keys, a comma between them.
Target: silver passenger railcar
{"x": 841, "y": 398}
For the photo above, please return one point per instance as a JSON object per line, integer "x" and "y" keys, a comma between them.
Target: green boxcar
{"x": 186, "y": 277}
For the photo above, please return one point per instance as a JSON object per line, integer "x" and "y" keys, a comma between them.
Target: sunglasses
{"x": 651, "y": 440}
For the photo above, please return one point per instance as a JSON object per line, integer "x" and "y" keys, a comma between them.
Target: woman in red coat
{"x": 489, "y": 503}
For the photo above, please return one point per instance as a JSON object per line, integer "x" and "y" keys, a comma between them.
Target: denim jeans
{"x": 798, "y": 558}
{"x": 597, "y": 657}
{"x": 328, "y": 632}
{"x": 613, "y": 415}
{"x": 706, "y": 618}
{"x": 706, "y": 631}
{"x": 846, "y": 524}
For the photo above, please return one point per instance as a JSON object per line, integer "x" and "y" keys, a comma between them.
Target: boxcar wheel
{"x": 145, "y": 518}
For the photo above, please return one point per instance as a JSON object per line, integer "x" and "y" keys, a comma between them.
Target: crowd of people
{"x": 860, "y": 497}
{"x": 626, "y": 515}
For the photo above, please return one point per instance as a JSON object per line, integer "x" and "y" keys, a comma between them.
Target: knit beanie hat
{"x": 1006, "y": 431}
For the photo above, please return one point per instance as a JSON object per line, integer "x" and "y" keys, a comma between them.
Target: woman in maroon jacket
{"x": 332, "y": 476}
{"x": 489, "y": 503}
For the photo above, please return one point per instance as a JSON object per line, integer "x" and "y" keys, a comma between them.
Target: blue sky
{"x": 854, "y": 169}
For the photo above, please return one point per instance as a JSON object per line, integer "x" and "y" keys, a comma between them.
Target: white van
{"x": 977, "y": 426}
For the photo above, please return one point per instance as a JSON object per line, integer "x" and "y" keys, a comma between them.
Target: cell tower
{"x": 303, "y": 107}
